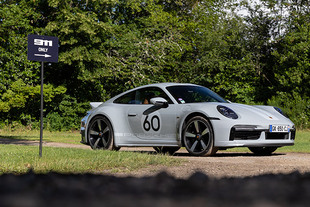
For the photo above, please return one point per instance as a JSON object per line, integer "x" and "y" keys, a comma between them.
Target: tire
{"x": 100, "y": 134}
{"x": 166, "y": 150}
{"x": 263, "y": 151}
{"x": 198, "y": 137}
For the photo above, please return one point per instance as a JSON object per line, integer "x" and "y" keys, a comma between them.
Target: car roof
{"x": 163, "y": 85}
{"x": 160, "y": 85}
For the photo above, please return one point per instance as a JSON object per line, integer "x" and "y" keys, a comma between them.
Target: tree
{"x": 16, "y": 22}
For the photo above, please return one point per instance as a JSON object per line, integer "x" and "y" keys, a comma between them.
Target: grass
{"x": 302, "y": 143}
{"x": 34, "y": 135}
{"x": 20, "y": 159}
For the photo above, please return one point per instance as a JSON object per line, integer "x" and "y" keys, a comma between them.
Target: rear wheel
{"x": 100, "y": 134}
{"x": 198, "y": 137}
{"x": 263, "y": 150}
{"x": 165, "y": 150}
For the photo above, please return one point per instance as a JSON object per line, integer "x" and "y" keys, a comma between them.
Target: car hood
{"x": 246, "y": 113}
{"x": 255, "y": 112}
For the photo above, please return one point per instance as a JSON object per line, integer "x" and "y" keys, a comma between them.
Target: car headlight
{"x": 227, "y": 112}
{"x": 280, "y": 111}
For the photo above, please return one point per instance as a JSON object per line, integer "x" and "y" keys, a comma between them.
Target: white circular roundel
{"x": 151, "y": 123}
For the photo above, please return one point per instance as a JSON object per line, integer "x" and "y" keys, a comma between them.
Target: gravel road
{"x": 231, "y": 164}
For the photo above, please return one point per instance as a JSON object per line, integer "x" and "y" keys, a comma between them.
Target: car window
{"x": 142, "y": 96}
{"x": 128, "y": 98}
{"x": 194, "y": 94}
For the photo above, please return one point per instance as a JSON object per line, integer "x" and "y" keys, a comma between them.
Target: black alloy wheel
{"x": 198, "y": 137}
{"x": 100, "y": 134}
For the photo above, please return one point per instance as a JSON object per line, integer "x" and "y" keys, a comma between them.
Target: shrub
{"x": 295, "y": 107}
{"x": 67, "y": 115}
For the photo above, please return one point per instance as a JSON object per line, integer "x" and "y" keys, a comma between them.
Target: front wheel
{"x": 198, "y": 137}
{"x": 100, "y": 134}
{"x": 263, "y": 150}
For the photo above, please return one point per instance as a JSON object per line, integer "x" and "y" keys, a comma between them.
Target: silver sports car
{"x": 167, "y": 116}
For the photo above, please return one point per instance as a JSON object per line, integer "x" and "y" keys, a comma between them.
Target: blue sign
{"x": 42, "y": 48}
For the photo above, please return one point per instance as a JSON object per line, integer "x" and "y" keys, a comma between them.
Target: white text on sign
{"x": 41, "y": 42}
{"x": 42, "y": 49}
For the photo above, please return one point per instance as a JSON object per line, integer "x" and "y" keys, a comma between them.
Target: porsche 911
{"x": 168, "y": 116}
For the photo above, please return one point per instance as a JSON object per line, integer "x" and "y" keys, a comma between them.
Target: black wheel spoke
{"x": 196, "y": 124}
{"x": 204, "y": 146}
{"x": 206, "y": 131}
{"x": 96, "y": 143}
{"x": 99, "y": 124}
{"x": 104, "y": 142}
{"x": 106, "y": 130}
{"x": 190, "y": 135}
{"x": 93, "y": 132}
{"x": 193, "y": 147}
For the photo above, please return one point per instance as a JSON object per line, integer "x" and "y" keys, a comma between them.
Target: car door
{"x": 150, "y": 122}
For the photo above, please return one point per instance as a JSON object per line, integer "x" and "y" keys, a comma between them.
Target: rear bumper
{"x": 82, "y": 132}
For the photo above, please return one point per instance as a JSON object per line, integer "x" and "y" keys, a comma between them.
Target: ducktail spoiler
{"x": 95, "y": 104}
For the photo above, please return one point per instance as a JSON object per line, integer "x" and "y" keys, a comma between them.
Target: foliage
{"x": 295, "y": 107}
{"x": 108, "y": 46}
{"x": 66, "y": 115}
{"x": 22, "y": 101}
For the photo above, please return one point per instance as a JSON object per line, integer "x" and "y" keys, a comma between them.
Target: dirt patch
{"x": 228, "y": 164}
{"x": 44, "y": 143}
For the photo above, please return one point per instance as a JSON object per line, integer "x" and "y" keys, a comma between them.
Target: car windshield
{"x": 194, "y": 94}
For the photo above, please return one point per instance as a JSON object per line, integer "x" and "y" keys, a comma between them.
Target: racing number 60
{"x": 147, "y": 125}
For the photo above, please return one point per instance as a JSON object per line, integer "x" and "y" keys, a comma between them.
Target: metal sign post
{"x": 43, "y": 49}
{"x": 41, "y": 110}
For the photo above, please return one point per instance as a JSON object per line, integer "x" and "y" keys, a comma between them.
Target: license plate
{"x": 279, "y": 128}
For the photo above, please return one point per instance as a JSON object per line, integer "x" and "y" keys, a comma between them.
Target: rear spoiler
{"x": 95, "y": 104}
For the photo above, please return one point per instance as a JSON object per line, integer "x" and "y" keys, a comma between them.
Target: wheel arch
{"x": 187, "y": 118}
{"x": 93, "y": 117}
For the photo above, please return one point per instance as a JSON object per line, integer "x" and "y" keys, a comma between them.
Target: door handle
{"x": 132, "y": 114}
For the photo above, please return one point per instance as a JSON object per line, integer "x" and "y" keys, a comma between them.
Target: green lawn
{"x": 62, "y": 137}
{"x": 302, "y": 143}
{"x": 19, "y": 159}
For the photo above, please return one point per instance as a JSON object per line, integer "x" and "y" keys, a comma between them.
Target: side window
{"x": 128, "y": 98}
{"x": 142, "y": 96}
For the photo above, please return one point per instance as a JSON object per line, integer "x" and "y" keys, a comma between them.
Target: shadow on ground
{"x": 19, "y": 140}
{"x": 162, "y": 190}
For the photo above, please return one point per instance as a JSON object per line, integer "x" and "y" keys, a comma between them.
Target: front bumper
{"x": 254, "y": 136}
{"x": 248, "y": 132}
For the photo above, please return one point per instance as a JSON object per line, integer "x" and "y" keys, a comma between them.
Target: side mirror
{"x": 159, "y": 102}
